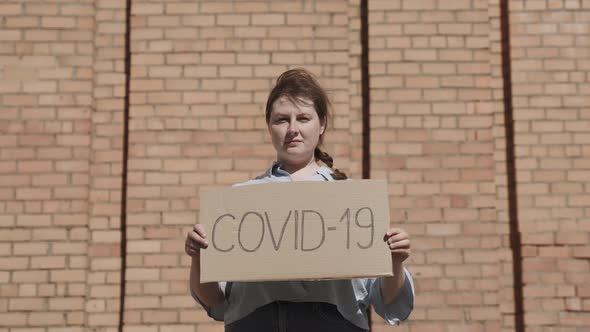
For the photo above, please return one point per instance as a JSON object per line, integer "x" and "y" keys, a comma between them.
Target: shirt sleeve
{"x": 217, "y": 312}
{"x": 400, "y": 308}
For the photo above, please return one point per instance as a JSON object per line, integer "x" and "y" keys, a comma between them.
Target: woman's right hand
{"x": 195, "y": 240}
{"x": 208, "y": 293}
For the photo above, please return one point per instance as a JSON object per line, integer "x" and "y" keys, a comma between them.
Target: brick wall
{"x": 200, "y": 75}
{"x": 104, "y": 210}
{"x": 46, "y": 98}
{"x": 551, "y": 86}
{"x": 431, "y": 138}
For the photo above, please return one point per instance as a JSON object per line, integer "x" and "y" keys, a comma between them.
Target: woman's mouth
{"x": 293, "y": 142}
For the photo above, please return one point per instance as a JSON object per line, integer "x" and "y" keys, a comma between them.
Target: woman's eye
{"x": 304, "y": 119}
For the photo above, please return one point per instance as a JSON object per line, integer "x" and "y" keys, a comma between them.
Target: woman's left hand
{"x": 399, "y": 244}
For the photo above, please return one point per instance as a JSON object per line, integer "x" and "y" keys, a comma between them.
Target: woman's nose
{"x": 293, "y": 127}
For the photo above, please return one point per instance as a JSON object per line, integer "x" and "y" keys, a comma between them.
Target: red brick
{"x": 268, "y": 19}
{"x": 13, "y": 319}
{"x": 181, "y": 8}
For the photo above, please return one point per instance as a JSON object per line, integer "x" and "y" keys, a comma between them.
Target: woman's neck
{"x": 301, "y": 172}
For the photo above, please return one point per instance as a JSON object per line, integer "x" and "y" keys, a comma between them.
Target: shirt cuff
{"x": 218, "y": 312}
{"x": 400, "y": 308}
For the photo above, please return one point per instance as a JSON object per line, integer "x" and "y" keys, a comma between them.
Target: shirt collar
{"x": 276, "y": 171}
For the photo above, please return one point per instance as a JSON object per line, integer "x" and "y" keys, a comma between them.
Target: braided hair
{"x": 329, "y": 161}
{"x": 296, "y": 84}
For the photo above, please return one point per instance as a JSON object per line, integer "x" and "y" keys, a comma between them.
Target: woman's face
{"x": 295, "y": 130}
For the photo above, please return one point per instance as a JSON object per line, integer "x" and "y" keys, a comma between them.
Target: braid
{"x": 329, "y": 161}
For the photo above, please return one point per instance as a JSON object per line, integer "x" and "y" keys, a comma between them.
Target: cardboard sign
{"x": 295, "y": 231}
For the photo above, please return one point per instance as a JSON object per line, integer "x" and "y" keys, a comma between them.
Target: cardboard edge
{"x": 378, "y": 275}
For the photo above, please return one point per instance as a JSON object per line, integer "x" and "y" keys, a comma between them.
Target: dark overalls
{"x": 294, "y": 317}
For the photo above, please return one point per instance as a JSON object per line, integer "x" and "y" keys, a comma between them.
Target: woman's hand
{"x": 209, "y": 293}
{"x": 399, "y": 244}
{"x": 196, "y": 240}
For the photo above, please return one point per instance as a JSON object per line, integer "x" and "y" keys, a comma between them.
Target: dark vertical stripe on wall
{"x": 366, "y": 95}
{"x": 125, "y": 165}
{"x": 515, "y": 239}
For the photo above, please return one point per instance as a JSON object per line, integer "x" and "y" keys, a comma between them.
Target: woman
{"x": 297, "y": 117}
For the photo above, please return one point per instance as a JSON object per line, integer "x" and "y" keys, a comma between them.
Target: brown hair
{"x": 296, "y": 84}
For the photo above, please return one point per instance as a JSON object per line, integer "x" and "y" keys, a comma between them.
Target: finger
{"x": 403, "y": 244}
{"x": 398, "y": 237}
{"x": 191, "y": 250}
{"x": 392, "y": 231}
{"x": 400, "y": 243}
{"x": 192, "y": 245}
{"x": 387, "y": 235}
{"x": 200, "y": 230}
{"x": 197, "y": 241}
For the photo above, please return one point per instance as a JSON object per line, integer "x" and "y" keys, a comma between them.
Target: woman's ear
{"x": 322, "y": 127}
